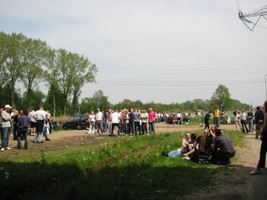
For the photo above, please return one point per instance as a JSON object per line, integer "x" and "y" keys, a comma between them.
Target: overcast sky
{"x": 165, "y": 51}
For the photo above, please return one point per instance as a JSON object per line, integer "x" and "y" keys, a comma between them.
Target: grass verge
{"x": 117, "y": 168}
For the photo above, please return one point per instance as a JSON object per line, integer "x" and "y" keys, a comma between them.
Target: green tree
{"x": 52, "y": 75}
{"x": 54, "y": 95}
{"x": 85, "y": 72}
{"x": 37, "y": 98}
{"x": 66, "y": 76}
{"x": 12, "y": 61}
{"x": 99, "y": 100}
{"x": 221, "y": 96}
{"x": 33, "y": 52}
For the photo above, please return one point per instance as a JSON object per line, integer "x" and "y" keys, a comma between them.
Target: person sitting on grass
{"x": 204, "y": 146}
{"x": 223, "y": 149}
{"x": 186, "y": 149}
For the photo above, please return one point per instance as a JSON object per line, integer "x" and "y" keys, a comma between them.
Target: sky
{"x": 161, "y": 51}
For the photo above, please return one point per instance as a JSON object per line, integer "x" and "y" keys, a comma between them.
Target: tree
{"x": 85, "y": 72}
{"x": 221, "y": 97}
{"x": 34, "y": 56}
{"x": 52, "y": 75}
{"x": 66, "y": 75}
{"x": 12, "y": 63}
{"x": 99, "y": 100}
{"x": 37, "y": 98}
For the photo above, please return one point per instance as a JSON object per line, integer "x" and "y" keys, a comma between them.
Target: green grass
{"x": 125, "y": 168}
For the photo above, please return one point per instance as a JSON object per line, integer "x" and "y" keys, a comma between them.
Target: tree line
{"x": 26, "y": 63}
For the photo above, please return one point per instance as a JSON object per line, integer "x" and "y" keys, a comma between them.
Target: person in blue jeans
{"x": 6, "y": 127}
{"x": 23, "y": 128}
{"x": 186, "y": 149}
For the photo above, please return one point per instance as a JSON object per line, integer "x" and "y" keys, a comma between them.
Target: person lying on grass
{"x": 187, "y": 149}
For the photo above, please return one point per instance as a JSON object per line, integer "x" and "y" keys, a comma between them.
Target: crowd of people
{"x": 21, "y": 124}
{"x": 249, "y": 121}
{"x": 212, "y": 146}
{"x": 130, "y": 122}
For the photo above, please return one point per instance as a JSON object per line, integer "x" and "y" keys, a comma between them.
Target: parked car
{"x": 76, "y": 122}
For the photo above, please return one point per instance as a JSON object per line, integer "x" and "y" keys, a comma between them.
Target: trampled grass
{"x": 117, "y": 168}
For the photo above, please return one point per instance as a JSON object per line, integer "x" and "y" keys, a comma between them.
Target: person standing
{"x": 33, "y": 122}
{"x": 23, "y": 128}
{"x": 91, "y": 119}
{"x": 263, "y": 149}
{"x": 137, "y": 125}
{"x": 179, "y": 118}
{"x": 6, "y": 127}
{"x": 47, "y": 129}
{"x": 250, "y": 118}
{"x": 99, "y": 121}
{"x": 259, "y": 120}
{"x": 237, "y": 120}
{"x": 40, "y": 116}
{"x": 131, "y": 122}
{"x": 115, "y": 120}
{"x": 207, "y": 120}
{"x": 217, "y": 117}
{"x": 244, "y": 122}
{"x": 152, "y": 116}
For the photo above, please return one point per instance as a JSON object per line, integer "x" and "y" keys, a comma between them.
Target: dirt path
{"x": 233, "y": 183}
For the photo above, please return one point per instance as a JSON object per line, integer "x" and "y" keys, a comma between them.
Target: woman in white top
{"x": 92, "y": 123}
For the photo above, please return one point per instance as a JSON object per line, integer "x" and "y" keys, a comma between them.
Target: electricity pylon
{"x": 252, "y": 18}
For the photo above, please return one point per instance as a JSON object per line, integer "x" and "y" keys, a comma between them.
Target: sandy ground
{"x": 233, "y": 183}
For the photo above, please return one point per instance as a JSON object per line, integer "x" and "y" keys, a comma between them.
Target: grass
{"x": 125, "y": 168}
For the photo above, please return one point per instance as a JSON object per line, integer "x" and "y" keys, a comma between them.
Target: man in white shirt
{"x": 115, "y": 120}
{"x": 244, "y": 122}
{"x": 99, "y": 121}
{"x": 33, "y": 122}
{"x": 40, "y": 116}
{"x": 6, "y": 127}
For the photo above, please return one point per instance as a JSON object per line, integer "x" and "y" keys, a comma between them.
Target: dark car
{"x": 76, "y": 122}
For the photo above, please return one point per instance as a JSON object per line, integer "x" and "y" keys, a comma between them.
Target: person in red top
{"x": 151, "y": 120}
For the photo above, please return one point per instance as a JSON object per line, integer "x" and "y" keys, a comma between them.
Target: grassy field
{"x": 115, "y": 168}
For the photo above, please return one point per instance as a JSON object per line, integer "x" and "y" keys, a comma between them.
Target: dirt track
{"x": 234, "y": 183}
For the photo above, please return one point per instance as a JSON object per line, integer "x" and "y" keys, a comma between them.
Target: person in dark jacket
{"x": 23, "y": 128}
{"x": 260, "y": 169}
{"x": 223, "y": 149}
{"x": 259, "y": 119}
{"x": 207, "y": 120}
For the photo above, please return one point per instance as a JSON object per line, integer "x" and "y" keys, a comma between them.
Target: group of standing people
{"x": 243, "y": 118}
{"x": 130, "y": 122}
{"x": 22, "y": 123}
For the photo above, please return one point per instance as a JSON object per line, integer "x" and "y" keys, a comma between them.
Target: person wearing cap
{"x": 6, "y": 127}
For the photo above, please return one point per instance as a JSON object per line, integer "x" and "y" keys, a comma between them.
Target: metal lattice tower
{"x": 252, "y": 18}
